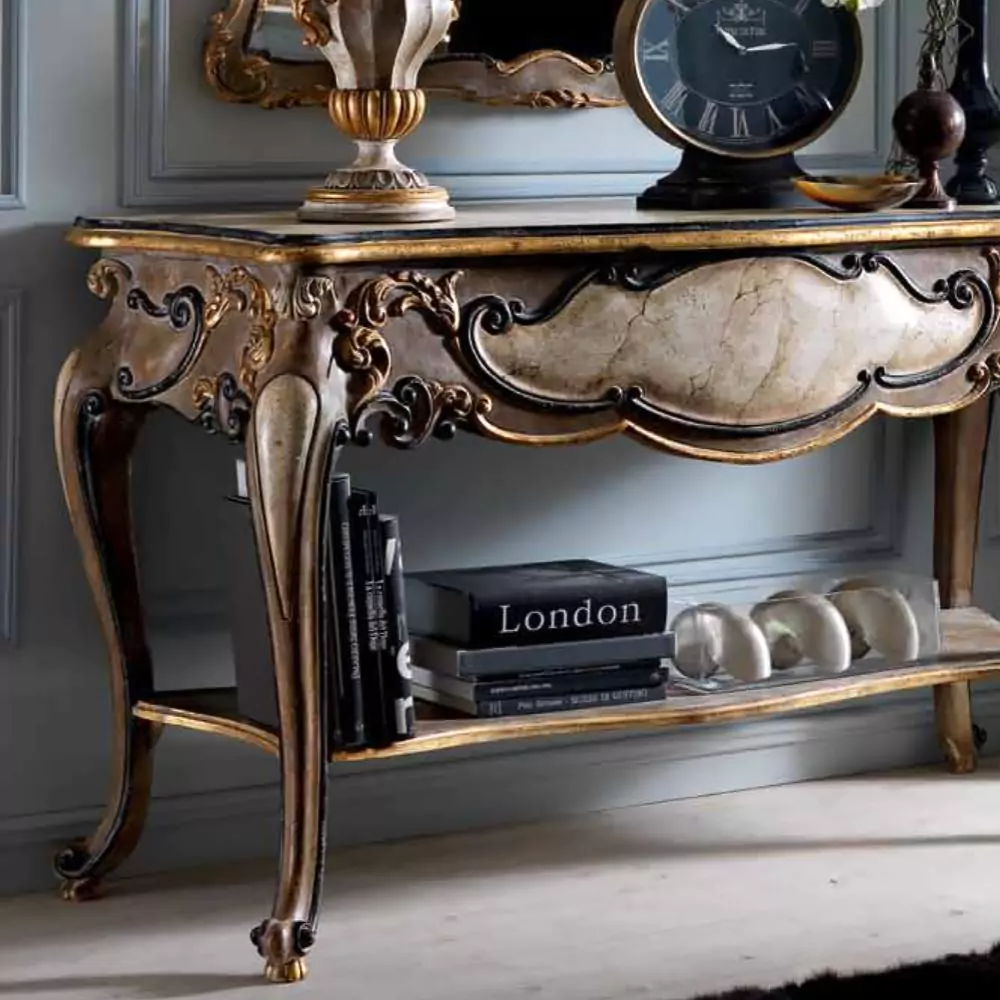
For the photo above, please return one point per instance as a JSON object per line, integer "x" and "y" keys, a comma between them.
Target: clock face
{"x": 742, "y": 78}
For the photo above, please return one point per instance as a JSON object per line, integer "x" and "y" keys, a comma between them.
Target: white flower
{"x": 853, "y": 5}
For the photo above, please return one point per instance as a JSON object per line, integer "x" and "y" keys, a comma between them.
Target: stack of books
{"x": 363, "y": 649}
{"x": 544, "y": 637}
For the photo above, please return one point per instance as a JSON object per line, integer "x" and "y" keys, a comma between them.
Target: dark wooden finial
{"x": 930, "y": 125}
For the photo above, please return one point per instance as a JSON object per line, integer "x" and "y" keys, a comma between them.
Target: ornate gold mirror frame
{"x": 540, "y": 77}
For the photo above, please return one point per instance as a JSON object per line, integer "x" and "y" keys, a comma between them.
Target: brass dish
{"x": 867, "y": 193}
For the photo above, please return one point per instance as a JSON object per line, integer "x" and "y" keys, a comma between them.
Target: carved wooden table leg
{"x": 961, "y": 440}
{"x": 94, "y": 439}
{"x": 290, "y": 448}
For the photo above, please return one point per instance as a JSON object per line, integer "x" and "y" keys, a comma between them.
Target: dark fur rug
{"x": 955, "y": 977}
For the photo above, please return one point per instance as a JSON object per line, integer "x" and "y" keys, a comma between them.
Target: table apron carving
{"x": 732, "y": 357}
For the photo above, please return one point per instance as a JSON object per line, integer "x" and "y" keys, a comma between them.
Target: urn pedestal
{"x": 376, "y": 49}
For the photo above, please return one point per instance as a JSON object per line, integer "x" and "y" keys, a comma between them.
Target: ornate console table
{"x": 736, "y": 339}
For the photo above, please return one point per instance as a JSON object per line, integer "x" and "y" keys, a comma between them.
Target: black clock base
{"x": 704, "y": 182}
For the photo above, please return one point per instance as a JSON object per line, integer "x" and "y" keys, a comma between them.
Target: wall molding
{"x": 877, "y": 540}
{"x": 10, "y": 355}
{"x": 13, "y": 104}
{"x": 506, "y": 784}
{"x": 151, "y": 178}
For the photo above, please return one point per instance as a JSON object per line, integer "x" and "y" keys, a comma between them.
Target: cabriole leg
{"x": 960, "y": 440}
{"x": 95, "y": 436}
{"x": 289, "y": 449}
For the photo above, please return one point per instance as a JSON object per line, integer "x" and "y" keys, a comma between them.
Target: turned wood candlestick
{"x": 930, "y": 125}
{"x": 376, "y": 50}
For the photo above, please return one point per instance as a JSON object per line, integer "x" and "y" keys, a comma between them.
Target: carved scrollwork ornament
{"x": 416, "y": 410}
{"x": 188, "y": 310}
{"x": 360, "y": 348}
{"x": 107, "y": 277}
{"x": 494, "y": 316}
{"x": 985, "y": 375}
{"x": 563, "y": 97}
{"x": 311, "y": 295}
{"x": 223, "y": 408}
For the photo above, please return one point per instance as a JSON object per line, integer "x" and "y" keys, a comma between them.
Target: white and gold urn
{"x": 376, "y": 49}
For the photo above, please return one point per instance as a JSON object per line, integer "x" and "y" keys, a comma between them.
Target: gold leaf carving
{"x": 238, "y": 291}
{"x": 360, "y": 347}
{"x": 204, "y": 391}
{"x": 242, "y": 292}
{"x": 565, "y": 98}
{"x": 107, "y": 276}
{"x": 315, "y": 26}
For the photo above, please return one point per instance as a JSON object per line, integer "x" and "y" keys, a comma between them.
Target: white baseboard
{"x": 522, "y": 783}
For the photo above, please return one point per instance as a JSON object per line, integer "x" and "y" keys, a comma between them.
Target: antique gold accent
{"x": 557, "y": 79}
{"x": 970, "y": 652}
{"x": 236, "y": 729}
{"x": 728, "y": 456}
{"x": 377, "y": 115}
{"x": 107, "y": 276}
{"x": 286, "y": 972}
{"x": 360, "y": 348}
{"x": 238, "y": 76}
{"x": 381, "y": 196}
{"x": 204, "y": 392}
{"x": 242, "y": 292}
{"x": 438, "y": 244}
{"x": 510, "y": 67}
{"x": 570, "y": 100}
{"x": 316, "y": 29}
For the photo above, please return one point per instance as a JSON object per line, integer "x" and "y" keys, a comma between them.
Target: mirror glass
{"x": 278, "y": 36}
{"x": 501, "y": 29}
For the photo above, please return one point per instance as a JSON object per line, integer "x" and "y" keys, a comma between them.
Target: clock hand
{"x": 730, "y": 39}
{"x": 772, "y": 47}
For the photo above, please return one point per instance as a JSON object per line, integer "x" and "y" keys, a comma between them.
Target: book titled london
{"x": 563, "y": 601}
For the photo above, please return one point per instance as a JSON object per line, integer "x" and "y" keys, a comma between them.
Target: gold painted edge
{"x": 453, "y": 734}
{"x": 237, "y": 729}
{"x": 394, "y": 196}
{"x": 729, "y": 456}
{"x": 664, "y": 716}
{"x": 437, "y": 244}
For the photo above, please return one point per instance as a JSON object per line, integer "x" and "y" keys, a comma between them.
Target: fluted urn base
{"x": 347, "y": 203}
{"x": 377, "y": 186}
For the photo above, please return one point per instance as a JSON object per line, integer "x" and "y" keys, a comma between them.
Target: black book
{"x": 368, "y": 582}
{"x": 610, "y": 678}
{"x": 346, "y": 666}
{"x": 399, "y": 677}
{"x": 334, "y": 689}
{"x": 535, "y": 603}
{"x": 507, "y": 661}
{"x": 543, "y": 704}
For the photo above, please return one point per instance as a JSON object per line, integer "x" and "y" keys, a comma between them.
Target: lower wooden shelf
{"x": 970, "y": 651}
